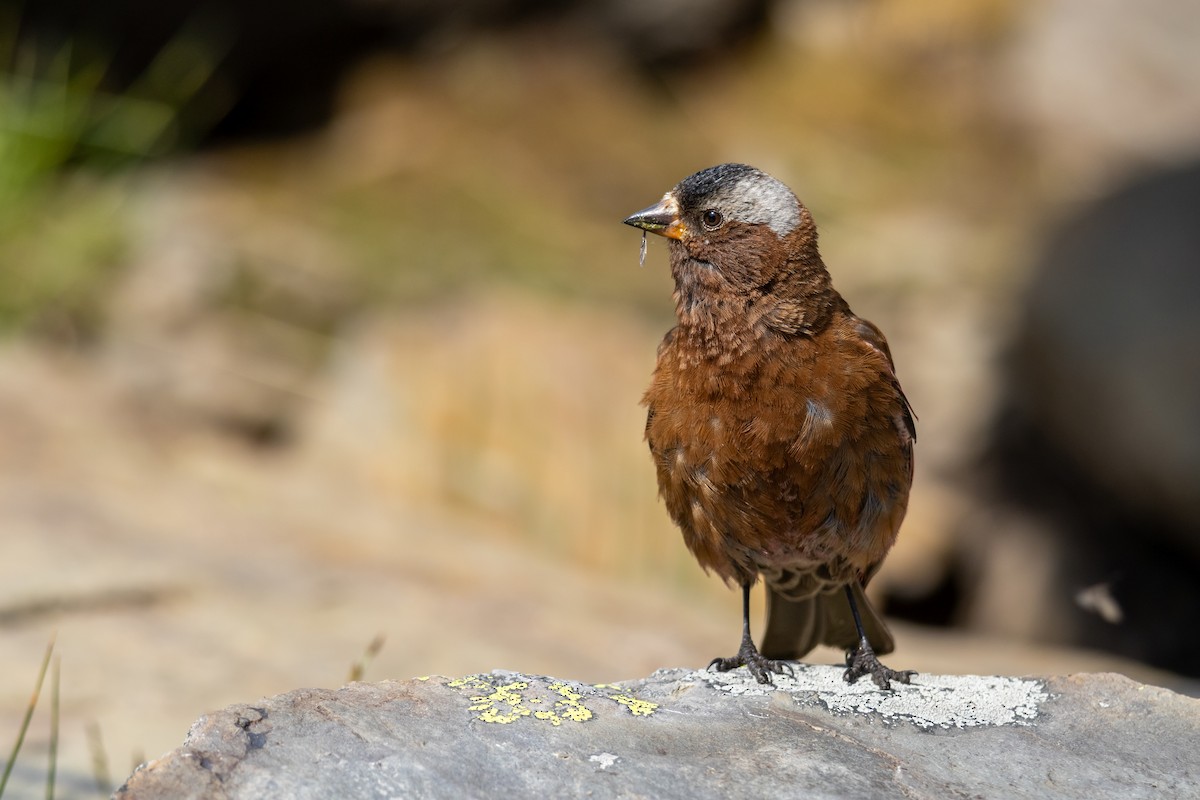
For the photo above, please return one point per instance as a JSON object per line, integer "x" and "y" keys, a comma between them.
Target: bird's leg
{"x": 862, "y": 659}
{"x": 748, "y": 655}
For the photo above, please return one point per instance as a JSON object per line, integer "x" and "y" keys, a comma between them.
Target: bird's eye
{"x": 713, "y": 219}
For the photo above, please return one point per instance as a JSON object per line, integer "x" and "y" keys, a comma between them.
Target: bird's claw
{"x": 863, "y": 661}
{"x": 760, "y": 667}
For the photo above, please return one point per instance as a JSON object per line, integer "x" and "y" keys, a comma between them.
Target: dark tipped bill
{"x": 661, "y": 218}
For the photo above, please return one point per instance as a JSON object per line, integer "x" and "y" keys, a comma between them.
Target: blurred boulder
{"x": 1107, "y": 364}
{"x": 673, "y": 31}
{"x": 1103, "y": 86}
{"x": 1098, "y": 453}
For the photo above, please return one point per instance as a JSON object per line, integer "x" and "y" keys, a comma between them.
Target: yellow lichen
{"x": 639, "y": 708}
{"x": 569, "y": 706}
{"x": 502, "y": 705}
{"x": 506, "y": 703}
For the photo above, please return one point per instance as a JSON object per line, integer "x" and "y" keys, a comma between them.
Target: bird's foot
{"x": 760, "y": 667}
{"x": 862, "y": 661}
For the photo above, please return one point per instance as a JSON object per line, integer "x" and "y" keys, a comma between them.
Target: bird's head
{"x": 702, "y": 204}
{"x": 734, "y": 229}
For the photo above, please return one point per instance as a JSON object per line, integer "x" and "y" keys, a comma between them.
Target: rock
{"x": 1102, "y": 89}
{"x": 1107, "y": 361}
{"x": 692, "y": 734}
{"x": 1095, "y": 455}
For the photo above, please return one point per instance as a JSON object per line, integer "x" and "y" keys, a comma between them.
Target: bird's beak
{"x": 661, "y": 218}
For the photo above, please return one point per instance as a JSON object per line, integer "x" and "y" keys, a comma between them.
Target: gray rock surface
{"x": 689, "y": 734}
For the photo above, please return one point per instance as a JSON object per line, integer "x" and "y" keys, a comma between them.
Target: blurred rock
{"x": 665, "y": 33}
{"x": 683, "y": 734}
{"x": 1100, "y": 446}
{"x": 192, "y": 340}
{"x": 1104, "y": 87}
{"x": 1108, "y": 361}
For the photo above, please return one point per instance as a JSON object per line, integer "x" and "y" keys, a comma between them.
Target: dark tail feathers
{"x": 794, "y": 627}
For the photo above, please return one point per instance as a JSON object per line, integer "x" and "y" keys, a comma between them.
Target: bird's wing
{"x": 873, "y": 337}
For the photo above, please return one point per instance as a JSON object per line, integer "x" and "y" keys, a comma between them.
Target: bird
{"x": 781, "y": 438}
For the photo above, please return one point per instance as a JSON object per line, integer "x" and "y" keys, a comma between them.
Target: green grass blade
{"x": 52, "y": 770}
{"x": 37, "y": 691}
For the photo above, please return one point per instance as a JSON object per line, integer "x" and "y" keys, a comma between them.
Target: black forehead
{"x": 695, "y": 189}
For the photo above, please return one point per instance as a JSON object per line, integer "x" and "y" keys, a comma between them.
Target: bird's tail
{"x": 794, "y": 627}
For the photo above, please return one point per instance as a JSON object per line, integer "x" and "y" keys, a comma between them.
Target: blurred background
{"x": 318, "y": 325}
